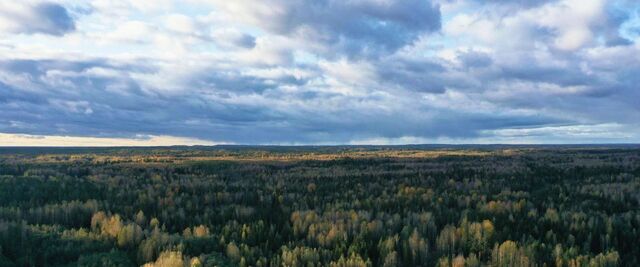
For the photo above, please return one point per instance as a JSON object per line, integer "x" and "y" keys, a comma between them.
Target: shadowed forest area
{"x": 320, "y": 206}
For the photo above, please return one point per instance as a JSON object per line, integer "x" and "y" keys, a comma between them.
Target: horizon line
{"x": 335, "y": 145}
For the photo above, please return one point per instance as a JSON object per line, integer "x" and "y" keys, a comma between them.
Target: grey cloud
{"x": 233, "y": 81}
{"x": 54, "y": 18}
{"x": 473, "y": 59}
{"x": 196, "y": 115}
{"x": 46, "y": 18}
{"x": 115, "y": 114}
{"x": 611, "y": 25}
{"x": 414, "y": 75}
{"x": 517, "y": 3}
{"x": 234, "y": 39}
{"x": 246, "y": 41}
{"x": 353, "y": 27}
{"x": 545, "y": 74}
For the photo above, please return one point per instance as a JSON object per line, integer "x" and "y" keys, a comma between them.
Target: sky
{"x": 324, "y": 72}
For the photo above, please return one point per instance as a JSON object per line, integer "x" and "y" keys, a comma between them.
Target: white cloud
{"x": 572, "y": 19}
{"x": 132, "y": 31}
{"x": 181, "y": 24}
{"x": 570, "y": 22}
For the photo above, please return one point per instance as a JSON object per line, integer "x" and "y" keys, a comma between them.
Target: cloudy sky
{"x": 108, "y": 72}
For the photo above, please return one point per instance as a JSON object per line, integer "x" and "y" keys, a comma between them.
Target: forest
{"x": 338, "y": 206}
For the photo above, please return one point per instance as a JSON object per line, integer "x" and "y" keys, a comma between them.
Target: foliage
{"x": 340, "y": 206}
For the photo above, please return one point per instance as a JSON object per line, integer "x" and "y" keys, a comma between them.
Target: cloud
{"x": 519, "y": 3}
{"x": 29, "y": 18}
{"x": 75, "y": 98}
{"x": 615, "y": 17}
{"x": 474, "y": 59}
{"x": 412, "y": 74}
{"x": 568, "y": 24}
{"x": 354, "y": 27}
{"x": 233, "y": 38}
{"x": 326, "y": 72}
{"x": 131, "y": 31}
{"x": 569, "y": 134}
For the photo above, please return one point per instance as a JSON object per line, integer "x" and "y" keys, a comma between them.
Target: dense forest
{"x": 331, "y": 206}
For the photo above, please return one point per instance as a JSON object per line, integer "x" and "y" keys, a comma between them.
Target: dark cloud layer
{"x": 87, "y": 107}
